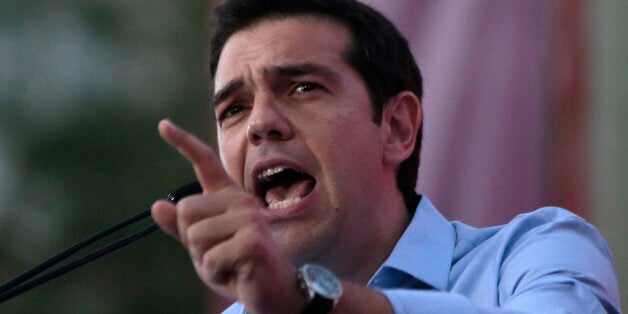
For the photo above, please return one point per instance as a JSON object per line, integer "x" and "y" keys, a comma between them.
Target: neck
{"x": 373, "y": 244}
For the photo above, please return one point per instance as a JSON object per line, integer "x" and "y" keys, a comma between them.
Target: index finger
{"x": 208, "y": 168}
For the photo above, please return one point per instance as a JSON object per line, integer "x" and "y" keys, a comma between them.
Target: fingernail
{"x": 171, "y": 125}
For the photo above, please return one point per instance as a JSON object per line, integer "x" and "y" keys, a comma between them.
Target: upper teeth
{"x": 271, "y": 171}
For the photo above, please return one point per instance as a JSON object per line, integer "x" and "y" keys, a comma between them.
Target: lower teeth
{"x": 284, "y": 204}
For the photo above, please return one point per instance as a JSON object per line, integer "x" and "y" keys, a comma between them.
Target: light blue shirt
{"x": 547, "y": 261}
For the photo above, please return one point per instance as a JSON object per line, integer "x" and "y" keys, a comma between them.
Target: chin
{"x": 301, "y": 243}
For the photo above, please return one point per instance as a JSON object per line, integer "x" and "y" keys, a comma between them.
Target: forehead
{"x": 282, "y": 40}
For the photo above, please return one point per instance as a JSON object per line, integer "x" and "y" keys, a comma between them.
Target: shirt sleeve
{"x": 553, "y": 262}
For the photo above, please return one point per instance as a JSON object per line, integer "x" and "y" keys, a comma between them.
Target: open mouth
{"x": 282, "y": 186}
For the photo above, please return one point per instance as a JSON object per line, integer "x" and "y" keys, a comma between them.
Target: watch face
{"x": 322, "y": 281}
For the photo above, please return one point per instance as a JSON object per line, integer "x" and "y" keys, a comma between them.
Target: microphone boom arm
{"x": 20, "y": 284}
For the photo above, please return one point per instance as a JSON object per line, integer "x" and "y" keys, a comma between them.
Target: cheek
{"x": 347, "y": 146}
{"x": 232, "y": 158}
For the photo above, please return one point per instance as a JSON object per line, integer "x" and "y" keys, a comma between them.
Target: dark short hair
{"x": 378, "y": 52}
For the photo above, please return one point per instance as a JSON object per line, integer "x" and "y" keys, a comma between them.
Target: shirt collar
{"x": 425, "y": 249}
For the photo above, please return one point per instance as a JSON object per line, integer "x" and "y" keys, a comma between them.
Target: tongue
{"x": 281, "y": 193}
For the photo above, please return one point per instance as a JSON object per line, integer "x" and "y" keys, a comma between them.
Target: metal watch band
{"x": 318, "y": 305}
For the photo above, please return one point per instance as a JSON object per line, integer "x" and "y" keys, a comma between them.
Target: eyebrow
{"x": 225, "y": 92}
{"x": 295, "y": 70}
{"x": 289, "y": 70}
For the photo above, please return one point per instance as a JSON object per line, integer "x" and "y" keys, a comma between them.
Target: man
{"x": 318, "y": 120}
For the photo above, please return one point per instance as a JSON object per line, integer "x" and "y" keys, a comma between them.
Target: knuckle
{"x": 184, "y": 208}
{"x": 216, "y": 271}
{"x": 193, "y": 235}
{"x": 209, "y": 262}
{"x": 250, "y": 217}
{"x": 251, "y": 237}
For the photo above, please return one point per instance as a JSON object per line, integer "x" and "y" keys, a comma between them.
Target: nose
{"x": 267, "y": 122}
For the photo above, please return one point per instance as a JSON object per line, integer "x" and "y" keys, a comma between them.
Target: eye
{"x": 305, "y": 87}
{"x": 231, "y": 111}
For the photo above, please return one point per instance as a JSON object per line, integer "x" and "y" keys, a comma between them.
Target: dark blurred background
{"x": 83, "y": 85}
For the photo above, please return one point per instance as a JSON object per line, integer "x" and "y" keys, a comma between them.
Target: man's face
{"x": 295, "y": 127}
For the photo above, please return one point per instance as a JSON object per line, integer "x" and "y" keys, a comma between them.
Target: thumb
{"x": 165, "y": 215}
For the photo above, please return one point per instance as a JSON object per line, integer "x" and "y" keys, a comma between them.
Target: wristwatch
{"x": 322, "y": 289}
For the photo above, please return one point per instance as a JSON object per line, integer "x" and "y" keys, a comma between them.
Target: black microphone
{"x": 21, "y": 283}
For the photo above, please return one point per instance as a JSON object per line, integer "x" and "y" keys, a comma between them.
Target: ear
{"x": 401, "y": 119}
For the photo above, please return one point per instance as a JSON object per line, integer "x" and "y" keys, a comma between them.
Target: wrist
{"x": 320, "y": 288}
